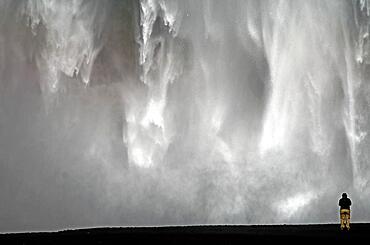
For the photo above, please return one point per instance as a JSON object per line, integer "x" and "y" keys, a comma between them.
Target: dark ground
{"x": 360, "y": 232}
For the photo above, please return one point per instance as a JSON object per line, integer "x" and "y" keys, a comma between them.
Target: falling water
{"x": 156, "y": 112}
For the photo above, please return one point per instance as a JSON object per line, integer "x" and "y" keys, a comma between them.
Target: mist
{"x": 182, "y": 112}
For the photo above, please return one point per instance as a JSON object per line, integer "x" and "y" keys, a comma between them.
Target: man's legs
{"x": 344, "y": 219}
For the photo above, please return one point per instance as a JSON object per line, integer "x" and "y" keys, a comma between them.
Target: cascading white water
{"x": 71, "y": 38}
{"x": 182, "y": 112}
{"x": 147, "y": 133}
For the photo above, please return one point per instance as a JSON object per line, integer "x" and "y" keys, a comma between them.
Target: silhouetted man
{"x": 344, "y": 204}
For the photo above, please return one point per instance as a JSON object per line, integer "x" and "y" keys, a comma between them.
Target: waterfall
{"x": 157, "y": 112}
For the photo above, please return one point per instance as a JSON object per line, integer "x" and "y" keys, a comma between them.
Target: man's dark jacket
{"x": 344, "y": 203}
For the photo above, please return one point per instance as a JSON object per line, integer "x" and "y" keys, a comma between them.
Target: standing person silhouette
{"x": 344, "y": 204}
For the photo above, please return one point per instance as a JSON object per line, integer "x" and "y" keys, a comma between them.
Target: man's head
{"x": 344, "y": 195}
